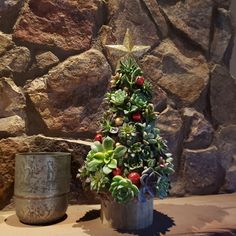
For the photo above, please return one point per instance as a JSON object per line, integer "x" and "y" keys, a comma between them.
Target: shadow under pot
{"x": 42, "y": 184}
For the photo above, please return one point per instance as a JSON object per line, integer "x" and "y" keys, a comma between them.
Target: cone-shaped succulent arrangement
{"x": 129, "y": 159}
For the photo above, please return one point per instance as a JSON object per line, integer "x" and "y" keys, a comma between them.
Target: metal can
{"x": 42, "y": 184}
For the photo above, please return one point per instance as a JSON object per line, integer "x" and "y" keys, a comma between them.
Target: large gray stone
{"x": 225, "y": 137}
{"x": 184, "y": 76}
{"x": 198, "y": 131}
{"x": 225, "y": 140}
{"x": 68, "y": 99}
{"x": 191, "y": 17}
{"x": 222, "y": 96}
{"x": 202, "y": 171}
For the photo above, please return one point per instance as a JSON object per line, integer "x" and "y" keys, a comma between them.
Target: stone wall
{"x": 233, "y": 58}
{"x": 55, "y": 70}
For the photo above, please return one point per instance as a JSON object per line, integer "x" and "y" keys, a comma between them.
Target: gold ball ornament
{"x": 118, "y": 144}
{"x": 119, "y": 121}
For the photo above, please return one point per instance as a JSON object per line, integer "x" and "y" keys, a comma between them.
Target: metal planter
{"x": 133, "y": 215}
{"x": 41, "y": 188}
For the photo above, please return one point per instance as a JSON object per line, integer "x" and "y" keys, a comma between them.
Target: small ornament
{"x": 119, "y": 121}
{"x": 126, "y": 89}
{"x": 140, "y": 80}
{"x": 118, "y": 144}
{"x": 161, "y": 160}
{"x": 137, "y": 117}
{"x": 114, "y": 130}
{"x": 116, "y": 171}
{"x": 134, "y": 177}
{"x": 98, "y": 137}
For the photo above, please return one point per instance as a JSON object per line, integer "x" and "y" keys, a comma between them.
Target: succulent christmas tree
{"x": 129, "y": 159}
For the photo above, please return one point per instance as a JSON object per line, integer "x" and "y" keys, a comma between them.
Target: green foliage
{"x": 122, "y": 189}
{"x": 127, "y": 134}
{"x": 139, "y": 100}
{"x": 118, "y": 97}
{"x": 162, "y": 186}
{"x": 99, "y": 181}
{"x": 136, "y": 144}
{"x": 100, "y": 161}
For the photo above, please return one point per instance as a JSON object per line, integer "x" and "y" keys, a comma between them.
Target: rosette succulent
{"x": 118, "y": 97}
{"x": 139, "y": 100}
{"x": 122, "y": 189}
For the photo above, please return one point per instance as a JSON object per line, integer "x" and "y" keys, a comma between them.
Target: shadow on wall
{"x": 233, "y": 58}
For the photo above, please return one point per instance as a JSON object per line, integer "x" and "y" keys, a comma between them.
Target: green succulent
{"x": 130, "y": 70}
{"x": 150, "y": 135}
{"x": 130, "y": 108}
{"x": 122, "y": 189}
{"x": 127, "y": 134}
{"x": 163, "y": 185}
{"x": 99, "y": 181}
{"x": 139, "y": 100}
{"x": 118, "y": 97}
{"x": 149, "y": 114}
{"x": 103, "y": 155}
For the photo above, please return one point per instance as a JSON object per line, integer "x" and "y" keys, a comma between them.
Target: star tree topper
{"x": 127, "y": 49}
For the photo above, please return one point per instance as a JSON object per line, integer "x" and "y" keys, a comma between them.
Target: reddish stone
{"x": 68, "y": 25}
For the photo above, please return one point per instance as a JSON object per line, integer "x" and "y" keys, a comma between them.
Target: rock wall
{"x": 55, "y": 69}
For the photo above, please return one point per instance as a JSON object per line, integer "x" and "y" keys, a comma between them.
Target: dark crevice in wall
{"x": 6, "y": 26}
{"x": 229, "y": 51}
{"x": 147, "y": 11}
{"x": 212, "y": 29}
{"x": 207, "y": 111}
{"x": 61, "y": 54}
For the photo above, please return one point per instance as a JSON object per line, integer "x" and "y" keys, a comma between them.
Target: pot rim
{"x": 43, "y": 154}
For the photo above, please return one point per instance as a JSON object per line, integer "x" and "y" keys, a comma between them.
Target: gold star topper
{"x": 127, "y": 49}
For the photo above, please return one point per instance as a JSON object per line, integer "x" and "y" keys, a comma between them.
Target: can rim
{"x": 43, "y": 154}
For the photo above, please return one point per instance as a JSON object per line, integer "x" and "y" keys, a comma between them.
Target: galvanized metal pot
{"x": 42, "y": 183}
{"x": 133, "y": 215}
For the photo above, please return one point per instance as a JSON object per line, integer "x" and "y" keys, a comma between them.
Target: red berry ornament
{"x": 137, "y": 117}
{"x": 116, "y": 171}
{"x": 134, "y": 177}
{"x": 139, "y": 80}
{"x": 98, "y": 137}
